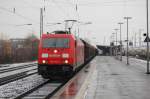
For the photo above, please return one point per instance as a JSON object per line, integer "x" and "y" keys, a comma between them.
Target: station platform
{"x": 113, "y": 79}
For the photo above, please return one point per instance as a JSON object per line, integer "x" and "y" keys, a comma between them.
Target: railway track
{"x": 47, "y": 89}
{"x": 4, "y": 65}
{"x": 11, "y": 74}
{"x": 14, "y": 77}
{"x": 16, "y": 68}
{"x": 42, "y": 91}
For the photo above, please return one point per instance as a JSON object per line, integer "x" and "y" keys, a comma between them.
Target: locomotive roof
{"x": 57, "y": 35}
{"x": 60, "y": 32}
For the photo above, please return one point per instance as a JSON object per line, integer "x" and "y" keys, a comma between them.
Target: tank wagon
{"x": 61, "y": 54}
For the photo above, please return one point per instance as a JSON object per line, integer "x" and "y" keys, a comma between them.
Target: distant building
{"x": 20, "y": 50}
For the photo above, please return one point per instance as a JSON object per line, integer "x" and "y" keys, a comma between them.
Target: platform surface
{"x": 113, "y": 79}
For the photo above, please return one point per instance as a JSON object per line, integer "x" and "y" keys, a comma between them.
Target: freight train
{"x": 61, "y": 54}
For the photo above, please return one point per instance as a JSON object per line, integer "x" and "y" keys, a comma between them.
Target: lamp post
{"x": 116, "y": 42}
{"x": 115, "y": 34}
{"x": 113, "y": 38}
{"x": 120, "y": 23}
{"x": 113, "y": 43}
{"x": 127, "y": 18}
{"x": 148, "y": 37}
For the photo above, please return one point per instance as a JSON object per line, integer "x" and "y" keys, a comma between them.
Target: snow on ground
{"x": 17, "y": 71}
{"x": 15, "y": 88}
{"x": 4, "y": 66}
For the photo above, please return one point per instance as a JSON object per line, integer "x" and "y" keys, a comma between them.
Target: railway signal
{"x": 147, "y": 39}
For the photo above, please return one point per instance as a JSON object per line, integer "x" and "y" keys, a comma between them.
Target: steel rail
{"x": 17, "y": 68}
{"x": 15, "y": 77}
{"x": 30, "y": 91}
{"x": 49, "y": 95}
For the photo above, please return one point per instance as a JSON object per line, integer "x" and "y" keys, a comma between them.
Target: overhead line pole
{"x": 116, "y": 41}
{"x": 148, "y": 37}
{"x": 120, "y": 23}
{"x": 135, "y": 40}
{"x": 116, "y": 36}
{"x": 41, "y": 21}
{"x": 127, "y": 18}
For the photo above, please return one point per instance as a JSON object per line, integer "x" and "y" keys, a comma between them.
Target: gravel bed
{"x": 15, "y": 88}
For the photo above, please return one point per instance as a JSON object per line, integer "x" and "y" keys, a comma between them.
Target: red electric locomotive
{"x": 59, "y": 54}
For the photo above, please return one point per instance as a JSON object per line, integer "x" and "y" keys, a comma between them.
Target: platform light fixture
{"x": 120, "y": 23}
{"x": 116, "y": 30}
{"x": 127, "y": 18}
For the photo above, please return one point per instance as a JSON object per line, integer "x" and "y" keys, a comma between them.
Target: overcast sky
{"x": 104, "y": 15}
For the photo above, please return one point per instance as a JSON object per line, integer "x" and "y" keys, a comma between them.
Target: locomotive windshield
{"x": 55, "y": 43}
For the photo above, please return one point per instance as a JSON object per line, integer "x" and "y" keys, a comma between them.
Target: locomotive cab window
{"x": 55, "y": 43}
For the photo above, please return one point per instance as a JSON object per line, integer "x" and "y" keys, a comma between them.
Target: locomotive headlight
{"x": 66, "y": 61}
{"x": 55, "y": 51}
{"x": 44, "y": 55}
{"x": 65, "y": 55}
{"x": 44, "y": 61}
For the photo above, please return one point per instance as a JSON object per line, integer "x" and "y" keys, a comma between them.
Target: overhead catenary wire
{"x": 108, "y": 3}
{"x": 61, "y": 9}
{"x": 69, "y": 2}
{"x": 64, "y": 11}
{"x": 78, "y": 17}
{"x": 86, "y": 3}
{"x": 30, "y": 5}
{"x": 24, "y": 17}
